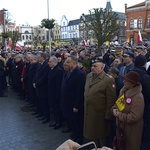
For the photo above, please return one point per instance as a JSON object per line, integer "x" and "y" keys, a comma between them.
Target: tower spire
{"x": 108, "y": 5}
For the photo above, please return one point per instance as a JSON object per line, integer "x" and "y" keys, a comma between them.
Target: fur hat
{"x": 133, "y": 77}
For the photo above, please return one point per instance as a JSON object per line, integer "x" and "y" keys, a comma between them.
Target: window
{"x": 135, "y": 23}
{"x": 70, "y": 35}
{"x": 23, "y": 37}
{"x": 148, "y": 22}
{"x": 63, "y": 23}
{"x": 121, "y": 33}
{"x": 26, "y": 37}
{"x": 131, "y": 24}
{"x": 140, "y": 23}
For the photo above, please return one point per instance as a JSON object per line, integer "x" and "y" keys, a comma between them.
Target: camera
{"x": 88, "y": 146}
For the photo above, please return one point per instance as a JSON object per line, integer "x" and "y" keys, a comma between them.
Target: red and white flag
{"x": 84, "y": 43}
{"x": 18, "y": 47}
{"x": 140, "y": 41}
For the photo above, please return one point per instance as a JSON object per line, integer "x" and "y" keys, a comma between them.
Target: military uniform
{"x": 100, "y": 96}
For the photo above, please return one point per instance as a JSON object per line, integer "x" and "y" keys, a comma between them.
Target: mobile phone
{"x": 88, "y": 146}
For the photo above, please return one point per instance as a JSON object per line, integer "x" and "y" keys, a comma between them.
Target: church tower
{"x": 108, "y": 5}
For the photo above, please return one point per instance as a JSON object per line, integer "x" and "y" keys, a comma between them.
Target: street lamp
{"x": 49, "y": 30}
{"x": 4, "y": 24}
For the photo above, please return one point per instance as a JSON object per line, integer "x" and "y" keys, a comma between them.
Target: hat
{"x": 87, "y": 54}
{"x": 129, "y": 54}
{"x": 111, "y": 53}
{"x": 97, "y": 60}
{"x": 58, "y": 55}
{"x": 133, "y": 77}
{"x": 114, "y": 70}
{"x": 80, "y": 60}
{"x": 140, "y": 61}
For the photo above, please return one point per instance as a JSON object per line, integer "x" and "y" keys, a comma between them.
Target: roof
{"x": 74, "y": 22}
{"x": 137, "y": 5}
{"x": 121, "y": 15}
{"x": 108, "y": 5}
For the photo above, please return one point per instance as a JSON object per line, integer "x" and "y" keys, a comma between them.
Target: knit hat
{"x": 140, "y": 61}
{"x": 132, "y": 76}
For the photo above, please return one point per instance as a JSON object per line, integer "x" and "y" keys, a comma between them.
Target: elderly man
{"x": 40, "y": 85}
{"x": 54, "y": 89}
{"x": 100, "y": 96}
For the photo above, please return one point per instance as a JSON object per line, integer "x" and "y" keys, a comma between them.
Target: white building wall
{"x": 64, "y": 27}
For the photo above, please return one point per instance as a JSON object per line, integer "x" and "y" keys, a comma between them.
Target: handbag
{"x": 119, "y": 139}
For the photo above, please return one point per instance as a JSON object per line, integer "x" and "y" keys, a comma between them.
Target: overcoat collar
{"x": 97, "y": 79}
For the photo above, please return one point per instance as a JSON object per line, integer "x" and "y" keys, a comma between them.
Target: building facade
{"x": 138, "y": 18}
{"x": 64, "y": 27}
{"x": 56, "y": 32}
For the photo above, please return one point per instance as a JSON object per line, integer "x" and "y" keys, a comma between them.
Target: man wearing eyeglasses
{"x": 128, "y": 60}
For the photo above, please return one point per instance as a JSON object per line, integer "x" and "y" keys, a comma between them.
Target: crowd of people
{"x": 80, "y": 88}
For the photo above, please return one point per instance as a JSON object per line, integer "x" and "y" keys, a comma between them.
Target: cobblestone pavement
{"x": 22, "y": 131}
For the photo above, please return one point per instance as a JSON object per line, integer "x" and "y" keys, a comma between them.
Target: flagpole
{"x": 49, "y": 30}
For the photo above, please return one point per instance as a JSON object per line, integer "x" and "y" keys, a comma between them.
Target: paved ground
{"x": 22, "y": 131}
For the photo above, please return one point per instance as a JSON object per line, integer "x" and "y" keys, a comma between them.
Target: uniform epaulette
{"x": 108, "y": 75}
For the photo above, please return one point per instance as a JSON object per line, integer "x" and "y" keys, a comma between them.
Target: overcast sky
{"x": 33, "y": 11}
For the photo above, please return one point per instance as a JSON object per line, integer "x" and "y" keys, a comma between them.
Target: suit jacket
{"x": 54, "y": 84}
{"x": 40, "y": 79}
{"x": 31, "y": 74}
{"x": 73, "y": 92}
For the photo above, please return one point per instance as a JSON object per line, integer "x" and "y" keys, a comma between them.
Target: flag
{"x": 10, "y": 43}
{"x": 140, "y": 41}
{"x": 18, "y": 47}
{"x": 127, "y": 41}
{"x": 120, "y": 102}
{"x": 84, "y": 43}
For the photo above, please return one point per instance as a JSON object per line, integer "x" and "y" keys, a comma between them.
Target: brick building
{"x": 138, "y": 18}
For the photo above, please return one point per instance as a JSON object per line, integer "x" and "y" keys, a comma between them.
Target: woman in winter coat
{"x": 129, "y": 115}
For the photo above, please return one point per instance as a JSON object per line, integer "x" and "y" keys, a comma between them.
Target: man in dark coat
{"x": 17, "y": 73}
{"x": 31, "y": 90}
{"x": 140, "y": 63}
{"x": 73, "y": 101}
{"x": 40, "y": 84}
{"x": 54, "y": 88}
{"x": 128, "y": 60}
{"x": 2, "y": 71}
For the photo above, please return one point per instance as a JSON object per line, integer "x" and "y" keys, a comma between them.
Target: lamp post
{"x": 4, "y": 24}
{"x": 49, "y": 30}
